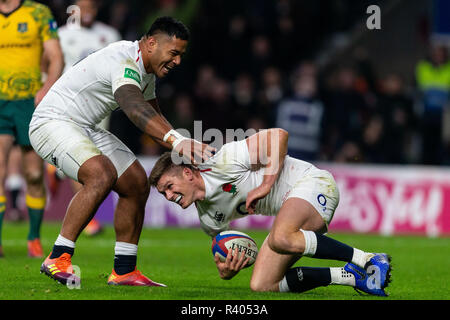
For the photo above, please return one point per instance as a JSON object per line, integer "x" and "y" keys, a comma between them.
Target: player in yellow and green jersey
{"x": 27, "y": 31}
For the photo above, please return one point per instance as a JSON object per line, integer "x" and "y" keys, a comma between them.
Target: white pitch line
{"x": 110, "y": 243}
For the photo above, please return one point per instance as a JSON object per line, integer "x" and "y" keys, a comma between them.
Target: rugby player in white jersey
{"x": 254, "y": 176}
{"x": 64, "y": 132}
{"x": 79, "y": 38}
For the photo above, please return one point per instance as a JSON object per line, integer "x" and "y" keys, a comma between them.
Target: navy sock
{"x": 331, "y": 249}
{"x": 59, "y": 250}
{"x": 302, "y": 279}
{"x": 14, "y": 196}
{"x": 124, "y": 264}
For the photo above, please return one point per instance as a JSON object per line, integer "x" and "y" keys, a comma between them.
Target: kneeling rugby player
{"x": 303, "y": 199}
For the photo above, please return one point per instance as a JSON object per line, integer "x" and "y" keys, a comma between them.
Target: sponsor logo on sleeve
{"x": 52, "y": 25}
{"x": 132, "y": 74}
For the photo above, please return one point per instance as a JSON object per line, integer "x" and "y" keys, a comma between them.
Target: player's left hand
{"x": 232, "y": 265}
{"x": 254, "y": 196}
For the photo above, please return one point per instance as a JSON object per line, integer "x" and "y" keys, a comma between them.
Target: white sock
{"x": 61, "y": 241}
{"x": 283, "y": 286}
{"x": 14, "y": 182}
{"x": 310, "y": 243}
{"x": 360, "y": 257}
{"x": 342, "y": 277}
{"x": 125, "y": 249}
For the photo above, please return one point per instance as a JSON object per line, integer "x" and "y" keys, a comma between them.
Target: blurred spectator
{"x": 183, "y": 113}
{"x": 433, "y": 81}
{"x": 216, "y": 110}
{"x": 373, "y": 141}
{"x": 261, "y": 54}
{"x": 206, "y": 76}
{"x": 271, "y": 93}
{"x": 236, "y": 50}
{"x": 345, "y": 109}
{"x": 301, "y": 115}
{"x": 244, "y": 90}
{"x": 78, "y": 41}
{"x": 396, "y": 108}
{"x": 367, "y": 79}
{"x": 287, "y": 46}
{"x": 261, "y": 14}
{"x": 350, "y": 152}
{"x": 121, "y": 19}
{"x": 244, "y": 99}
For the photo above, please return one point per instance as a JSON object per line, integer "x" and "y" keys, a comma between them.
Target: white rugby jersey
{"x": 228, "y": 178}
{"x": 85, "y": 93}
{"x": 77, "y": 42}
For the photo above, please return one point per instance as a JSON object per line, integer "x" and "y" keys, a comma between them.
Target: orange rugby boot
{"x": 93, "y": 228}
{"x": 53, "y": 180}
{"x": 35, "y": 248}
{"x": 59, "y": 269}
{"x": 135, "y": 278}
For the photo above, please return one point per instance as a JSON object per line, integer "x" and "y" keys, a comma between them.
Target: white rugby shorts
{"x": 320, "y": 190}
{"x": 67, "y": 146}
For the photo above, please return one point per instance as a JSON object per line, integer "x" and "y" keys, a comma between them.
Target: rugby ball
{"x": 231, "y": 239}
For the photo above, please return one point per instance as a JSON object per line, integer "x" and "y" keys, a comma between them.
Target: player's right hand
{"x": 232, "y": 265}
{"x": 194, "y": 151}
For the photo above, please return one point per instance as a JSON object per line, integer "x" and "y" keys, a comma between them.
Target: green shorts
{"x": 15, "y": 117}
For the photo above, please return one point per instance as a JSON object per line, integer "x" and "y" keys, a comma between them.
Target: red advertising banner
{"x": 392, "y": 199}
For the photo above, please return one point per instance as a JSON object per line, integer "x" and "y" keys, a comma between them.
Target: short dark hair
{"x": 165, "y": 164}
{"x": 169, "y": 26}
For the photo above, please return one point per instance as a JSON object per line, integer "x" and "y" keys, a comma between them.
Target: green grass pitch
{"x": 182, "y": 259}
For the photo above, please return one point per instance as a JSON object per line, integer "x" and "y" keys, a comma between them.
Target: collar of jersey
{"x": 7, "y": 14}
{"x": 141, "y": 61}
{"x": 208, "y": 186}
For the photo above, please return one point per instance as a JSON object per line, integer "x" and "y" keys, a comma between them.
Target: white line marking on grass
{"x": 111, "y": 243}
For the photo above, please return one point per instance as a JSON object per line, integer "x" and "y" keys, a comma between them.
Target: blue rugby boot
{"x": 368, "y": 283}
{"x": 380, "y": 264}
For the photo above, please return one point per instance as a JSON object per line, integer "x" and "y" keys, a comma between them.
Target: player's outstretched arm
{"x": 142, "y": 113}
{"x": 152, "y": 122}
{"x": 267, "y": 148}
{"x": 155, "y": 105}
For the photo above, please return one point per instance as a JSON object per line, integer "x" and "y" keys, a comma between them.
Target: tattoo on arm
{"x": 132, "y": 102}
{"x": 155, "y": 105}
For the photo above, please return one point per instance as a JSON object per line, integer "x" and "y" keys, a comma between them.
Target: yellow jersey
{"x": 22, "y": 34}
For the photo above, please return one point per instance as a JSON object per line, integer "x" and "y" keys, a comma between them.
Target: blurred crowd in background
{"x": 254, "y": 64}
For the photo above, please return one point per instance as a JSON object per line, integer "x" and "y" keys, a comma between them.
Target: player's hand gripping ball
{"x": 229, "y": 240}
